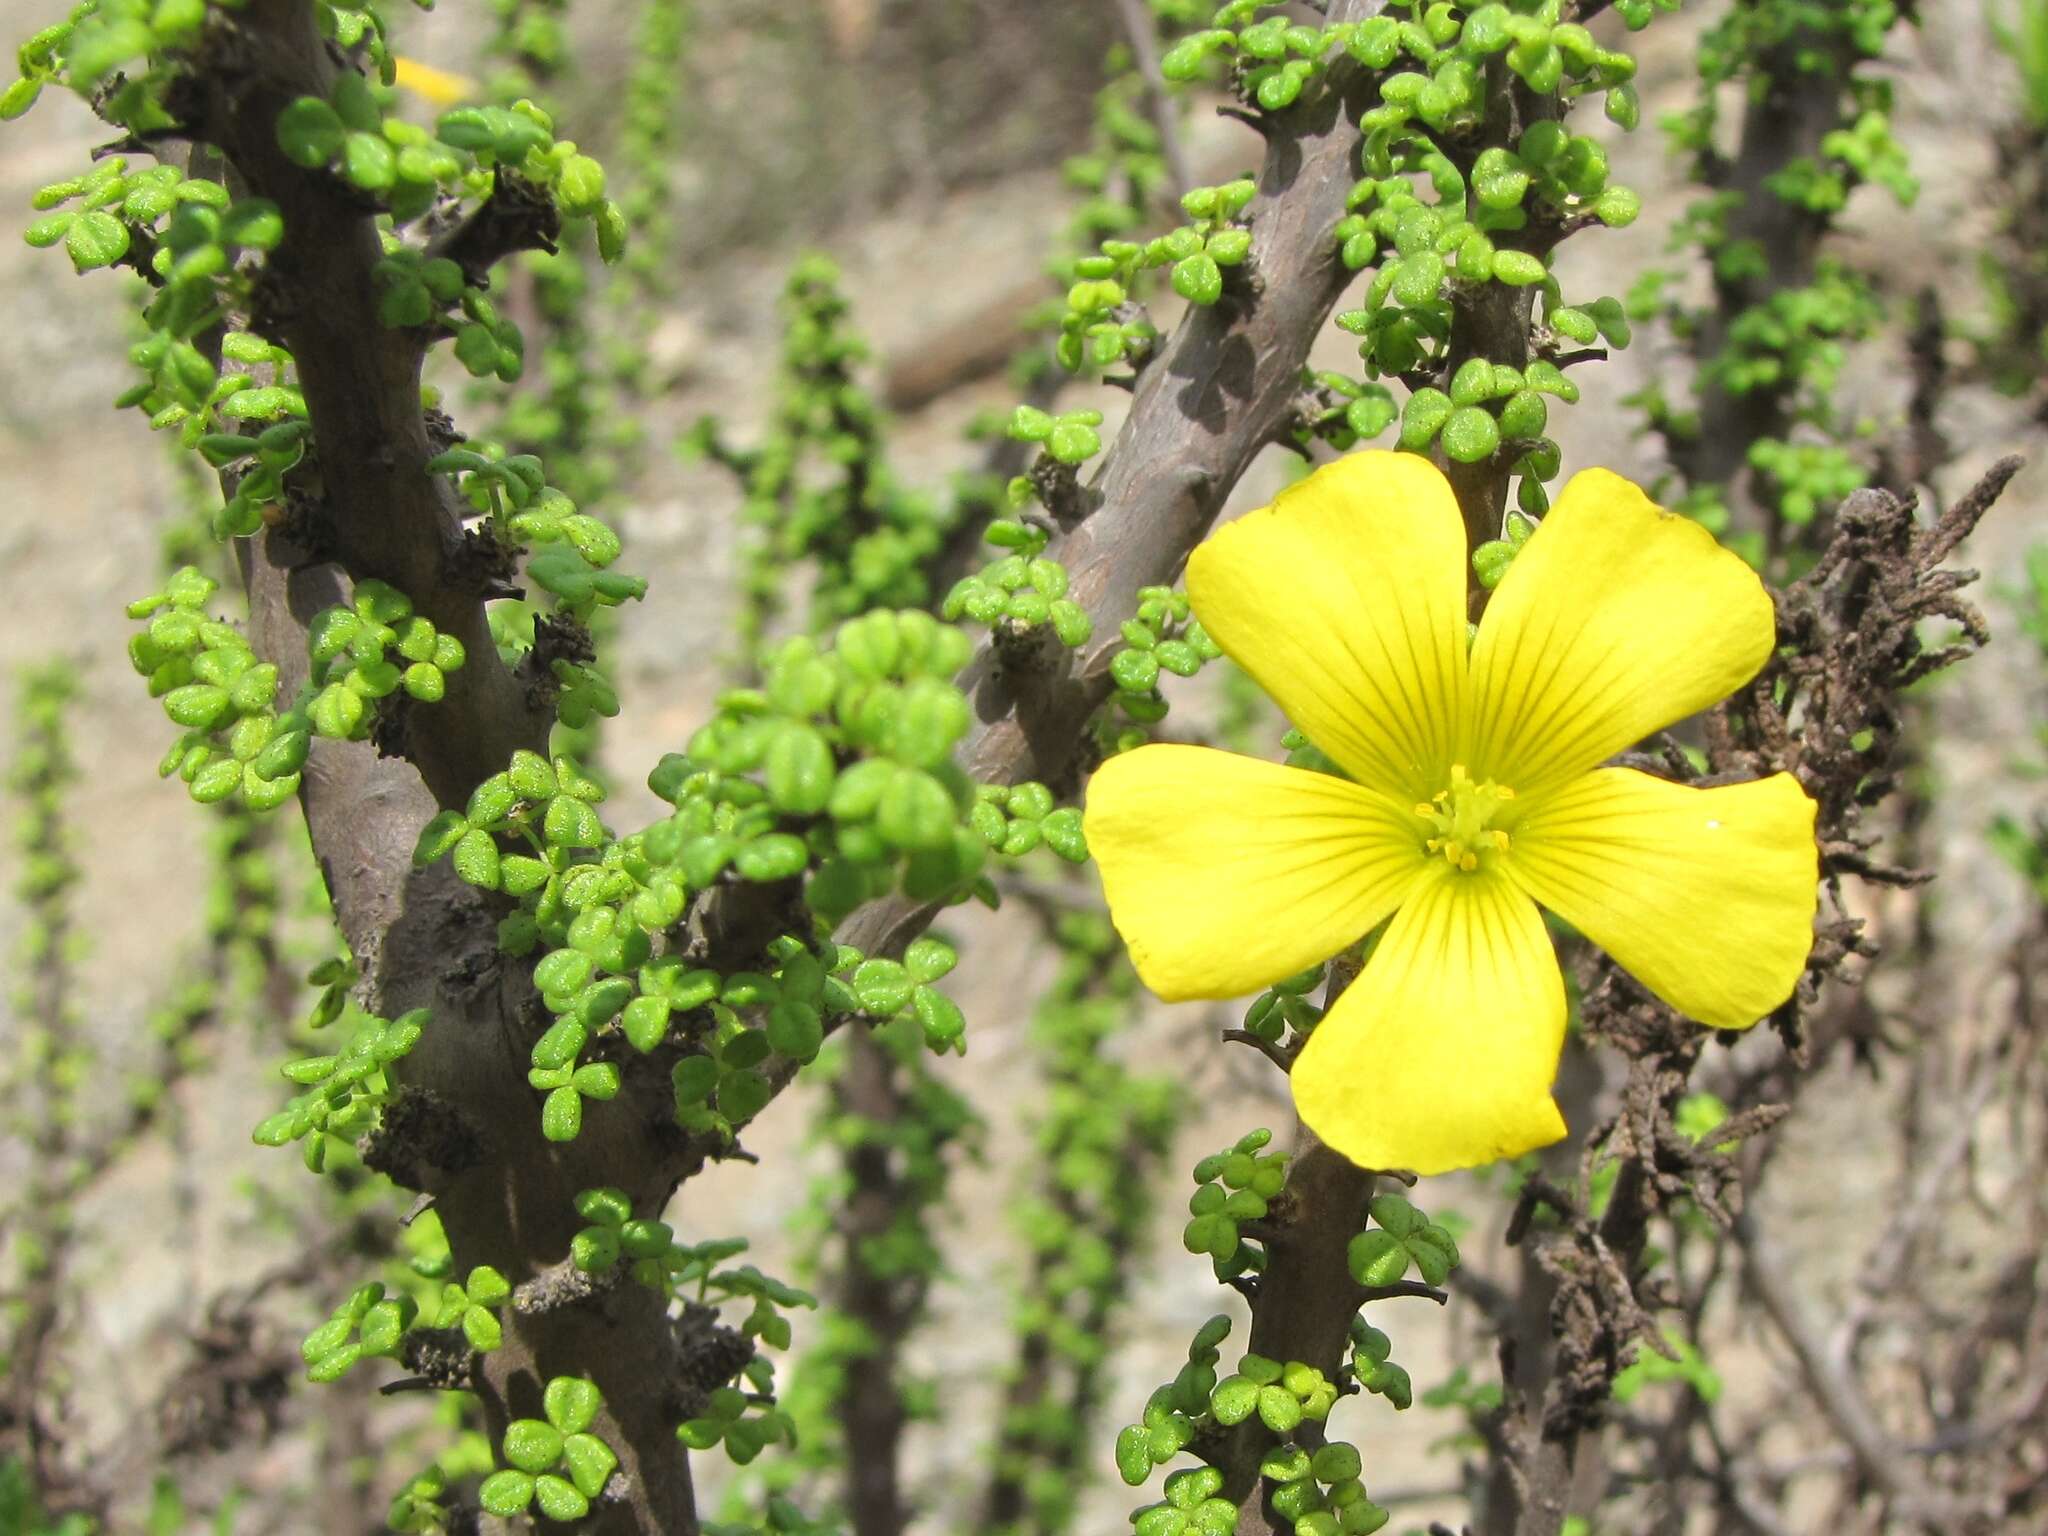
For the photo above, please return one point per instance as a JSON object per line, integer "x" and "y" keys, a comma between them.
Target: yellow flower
{"x": 436, "y": 87}
{"x": 1474, "y": 792}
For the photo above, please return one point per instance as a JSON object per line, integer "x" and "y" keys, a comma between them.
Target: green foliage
{"x": 367, "y": 1325}
{"x": 697, "y": 1274}
{"x": 1490, "y": 561}
{"x": 343, "y": 1090}
{"x": 1163, "y": 636}
{"x": 40, "y": 774}
{"x": 833, "y": 781}
{"x": 1100, "y": 327}
{"x": 1676, "y": 1361}
{"x": 555, "y": 1464}
{"x": 236, "y": 742}
{"x": 1233, "y": 1187}
{"x": 1401, "y": 1239}
{"x": 818, "y": 488}
{"x": 1024, "y": 590}
{"x": 614, "y": 1234}
{"x": 1285, "y": 1005}
{"x": 1774, "y": 339}
{"x": 835, "y": 776}
{"x": 473, "y": 1307}
{"x": 22, "y": 1513}
{"x": 416, "y": 1509}
{"x": 1318, "y": 1490}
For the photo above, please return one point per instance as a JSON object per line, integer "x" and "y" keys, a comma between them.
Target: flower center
{"x": 1461, "y": 818}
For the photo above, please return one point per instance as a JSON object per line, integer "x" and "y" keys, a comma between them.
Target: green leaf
{"x": 95, "y": 239}
{"x": 581, "y": 187}
{"x": 1418, "y": 278}
{"x": 476, "y": 859}
{"x": 311, "y": 133}
{"x": 531, "y": 776}
{"x": 1500, "y": 178}
{"x": 1134, "y": 1454}
{"x": 18, "y": 98}
{"x": 883, "y": 987}
{"x": 1518, "y": 269}
{"x": 915, "y": 812}
{"x": 1234, "y": 1400}
{"x": 1064, "y": 835}
{"x": 197, "y": 706}
{"x": 743, "y": 1095}
{"x": 1434, "y": 1253}
{"x": 1623, "y": 107}
{"x": 561, "y": 1117}
{"x": 1473, "y": 383}
{"x": 533, "y": 1445}
{"x": 594, "y": 1250}
{"x": 216, "y": 781}
{"x": 571, "y": 823}
{"x": 1028, "y": 424}
{"x": 701, "y": 1434}
{"x": 1072, "y": 442}
{"x": 590, "y": 1463}
{"x": 795, "y": 1029}
{"x": 1279, "y": 1409}
{"x": 1377, "y": 1258}
{"x": 940, "y": 1017}
{"x": 505, "y": 1494}
{"x": 1134, "y": 671}
{"x": 47, "y": 232}
{"x": 1471, "y": 434}
{"x": 1617, "y": 207}
{"x": 1198, "y": 278}
{"x": 483, "y": 1331}
{"x": 775, "y": 856}
{"x": 1422, "y": 417}
{"x": 645, "y": 1022}
{"x": 694, "y": 1078}
{"x": 799, "y": 770}
{"x": 928, "y": 959}
{"x": 254, "y": 223}
{"x": 369, "y": 161}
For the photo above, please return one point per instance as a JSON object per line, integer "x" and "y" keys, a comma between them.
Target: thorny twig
{"x": 1826, "y": 708}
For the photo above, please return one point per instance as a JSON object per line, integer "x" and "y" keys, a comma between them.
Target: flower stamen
{"x": 1462, "y": 817}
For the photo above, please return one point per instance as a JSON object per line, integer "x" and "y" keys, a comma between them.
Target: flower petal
{"x": 1616, "y": 619}
{"x": 1345, "y": 600}
{"x": 1226, "y": 874}
{"x": 1706, "y": 896}
{"x": 1441, "y": 1055}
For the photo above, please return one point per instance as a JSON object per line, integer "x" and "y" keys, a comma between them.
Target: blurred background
{"x": 921, "y": 144}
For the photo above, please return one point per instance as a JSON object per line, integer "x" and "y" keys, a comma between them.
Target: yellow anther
{"x": 1461, "y": 817}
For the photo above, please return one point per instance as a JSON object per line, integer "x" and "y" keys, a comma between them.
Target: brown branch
{"x": 1302, "y": 1307}
{"x": 1216, "y": 393}
{"x": 420, "y": 937}
{"x": 870, "y": 1407}
{"x": 1834, "y": 1390}
{"x": 381, "y": 513}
